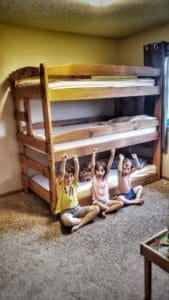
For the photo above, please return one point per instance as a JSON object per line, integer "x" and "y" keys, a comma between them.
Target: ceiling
{"x": 106, "y": 18}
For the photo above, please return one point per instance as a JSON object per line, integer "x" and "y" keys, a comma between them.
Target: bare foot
{"x": 121, "y": 203}
{"x": 102, "y": 214}
{"x": 139, "y": 201}
{"x": 75, "y": 228}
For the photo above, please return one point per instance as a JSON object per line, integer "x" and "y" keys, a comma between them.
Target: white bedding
{"x": 80, "y": 83}
{"x": 77, "y": 83}
{"x": 85, "y": 187}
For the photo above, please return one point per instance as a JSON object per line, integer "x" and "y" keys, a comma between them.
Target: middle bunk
{"x": 81, "y": 138}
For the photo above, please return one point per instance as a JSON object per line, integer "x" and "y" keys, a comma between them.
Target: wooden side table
{"x": 155, "y": 250}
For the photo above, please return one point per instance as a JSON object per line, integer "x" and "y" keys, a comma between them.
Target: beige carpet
{"x": 40, "y": 260}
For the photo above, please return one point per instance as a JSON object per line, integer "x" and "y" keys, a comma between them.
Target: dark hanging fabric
{"x": 165, "y": 104}
{"x": 154, "y": 56}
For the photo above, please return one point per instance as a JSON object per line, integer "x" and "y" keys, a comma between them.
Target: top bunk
{"x": 85, "y": 82}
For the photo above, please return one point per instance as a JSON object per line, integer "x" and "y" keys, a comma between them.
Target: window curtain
{"x": 165, "y": 108}
{"x": 157, "y": 55}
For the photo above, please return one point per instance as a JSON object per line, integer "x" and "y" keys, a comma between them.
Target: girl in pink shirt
{"x": 100, "y": 189}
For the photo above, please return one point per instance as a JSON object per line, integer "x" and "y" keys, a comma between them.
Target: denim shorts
{"x": 130, "y": 195}
{"x": 77, "y": 211}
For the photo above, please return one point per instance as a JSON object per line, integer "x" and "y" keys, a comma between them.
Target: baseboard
{"x": 166, "y": 178}
{"x": 11, "y": 193}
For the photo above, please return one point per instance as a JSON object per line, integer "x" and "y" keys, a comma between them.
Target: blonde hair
{"x": 127, "y": 162}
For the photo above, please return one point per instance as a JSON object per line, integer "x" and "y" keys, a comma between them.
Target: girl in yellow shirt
{"x": 70, "y": 212}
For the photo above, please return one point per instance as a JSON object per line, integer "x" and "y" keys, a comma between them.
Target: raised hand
{"x": 134, "y": 156}
{"x": 95, "y": 150}
{"x": 112, "y": 151}
{"x": 74, "y": 157}
{"x": 121, "y": 156}
{"x": 64, "y": 157}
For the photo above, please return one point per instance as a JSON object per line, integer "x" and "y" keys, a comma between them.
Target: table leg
{"x": 147, "y": 279}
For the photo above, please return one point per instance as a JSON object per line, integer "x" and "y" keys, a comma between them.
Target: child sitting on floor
{"x": 100, "y": 189}
{"x": 70, "y": 212}
{"x": 128, "y": 194}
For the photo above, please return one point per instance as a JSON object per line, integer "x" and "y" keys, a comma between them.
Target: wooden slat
{"x": 103, "y": 146}
{"x": 29, "y": 118}
{"x": 16, "y": 107}
{"x": 100, "y": 69}
{"x": 30, "y": 163}
{"x": 40, "y": 125}
{"x": 69, "y": 94}
{"x": 80, "y": 120}
{"x": 31, "y": 92}
{"x": 20, "y": 115}
{"x": 23, "y": 73}
{"x": 95, "y": 131}
{"x": 157, "y": 145}
{"x": 31, "y": 141}
{"x": 44, "y": 194}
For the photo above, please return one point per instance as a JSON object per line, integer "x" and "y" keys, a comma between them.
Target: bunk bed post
{"x": 48, "y": 134}
{"x": 18, "y": 132}
{"x": 157, "y": 144}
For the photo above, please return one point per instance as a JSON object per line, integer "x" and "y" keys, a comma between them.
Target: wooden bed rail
{"x": 95, "y": 131}
{"x": 101, "y": 93}
{"x": 101, "y": 146}
{"x": 97, "y": 69}
{"x": 33, "y": 142}
{"x": 32, "y": 164}
{"x": 24, "y": 73}
{"x": 84, "y": 70}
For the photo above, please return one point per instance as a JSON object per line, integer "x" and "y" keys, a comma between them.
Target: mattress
{"x": 84, "y": 189}
{"x": 87, "y": 83}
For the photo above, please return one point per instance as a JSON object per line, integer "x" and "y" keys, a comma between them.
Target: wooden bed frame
{"x": 40, "y": 90}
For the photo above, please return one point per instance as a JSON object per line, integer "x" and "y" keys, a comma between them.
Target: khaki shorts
{"x": 77, "y": 212}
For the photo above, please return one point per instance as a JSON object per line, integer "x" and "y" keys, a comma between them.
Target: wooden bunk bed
{"x": 41, "y": 144}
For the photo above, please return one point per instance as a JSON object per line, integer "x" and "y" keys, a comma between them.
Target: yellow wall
{"x": 130, "y": 51}
{"x": 21, "y": 47}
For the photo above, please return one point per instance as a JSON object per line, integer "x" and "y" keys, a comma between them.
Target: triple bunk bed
{"x": 52, "y": 107}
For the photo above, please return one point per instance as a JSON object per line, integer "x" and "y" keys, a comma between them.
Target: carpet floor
{"x": 40, "y": 260}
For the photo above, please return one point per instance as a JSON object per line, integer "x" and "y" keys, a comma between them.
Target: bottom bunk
{"x": 40, "y": 184}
